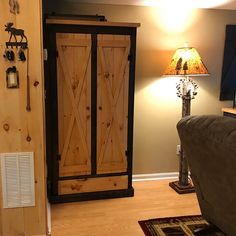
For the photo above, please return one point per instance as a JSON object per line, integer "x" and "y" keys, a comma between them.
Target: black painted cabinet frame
{"x": 51, "y": 110}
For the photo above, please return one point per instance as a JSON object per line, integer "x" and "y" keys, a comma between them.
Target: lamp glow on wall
{"x": 185, "y": 62}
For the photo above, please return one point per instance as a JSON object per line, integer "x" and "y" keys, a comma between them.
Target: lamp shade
{"x": 186, "y": 61}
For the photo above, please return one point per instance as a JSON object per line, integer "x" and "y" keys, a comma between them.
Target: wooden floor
{"x": 119, "y": 217}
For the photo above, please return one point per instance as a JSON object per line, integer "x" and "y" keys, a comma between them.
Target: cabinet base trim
{"x": 92, "y": 196}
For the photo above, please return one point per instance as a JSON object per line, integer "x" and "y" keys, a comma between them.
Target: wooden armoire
{"x": 89, "y": 84}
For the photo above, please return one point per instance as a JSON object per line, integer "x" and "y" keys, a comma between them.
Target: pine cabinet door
{"x": 112, "y": 102}
{"x": 74, "y": 103}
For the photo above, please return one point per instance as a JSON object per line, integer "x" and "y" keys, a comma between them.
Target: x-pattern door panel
{"x": 112, "y": 102}
{"x": 74, "y": 103}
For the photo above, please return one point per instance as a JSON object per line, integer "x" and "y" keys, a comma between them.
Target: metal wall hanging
{"x": 9, "y": 55}
{"x": 12, "y": 77}
{"x": 14, "y": 6}
{"x": 21, "y": 44}
{"x": 21, "y": 55}
{"x": 28, "y": 106}
{"x": 14, "y": 32}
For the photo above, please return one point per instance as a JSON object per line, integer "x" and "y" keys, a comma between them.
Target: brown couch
{"x": 209, "y": 143}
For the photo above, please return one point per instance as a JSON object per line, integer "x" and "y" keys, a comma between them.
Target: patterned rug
{"x": 176, "y": 226}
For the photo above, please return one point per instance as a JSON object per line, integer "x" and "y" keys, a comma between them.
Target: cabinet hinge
{"x": 45, "y": 54}
{"x": 127, "y": 153}
{"x": 58, "y": 157}
{"x": 49, "y": 185}
{"x": 130, "y": 57}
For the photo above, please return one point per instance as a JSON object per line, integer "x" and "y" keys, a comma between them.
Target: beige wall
{"x": 26, "y": 221}
{"x": 157, "y": 109}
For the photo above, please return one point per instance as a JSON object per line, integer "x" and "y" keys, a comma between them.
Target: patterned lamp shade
{"x": 186, "y": 61}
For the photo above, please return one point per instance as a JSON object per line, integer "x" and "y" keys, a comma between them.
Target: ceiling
{"x": 213, "y": 4}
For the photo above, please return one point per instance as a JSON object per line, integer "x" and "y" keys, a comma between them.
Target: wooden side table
{"x": 230, "y": 112}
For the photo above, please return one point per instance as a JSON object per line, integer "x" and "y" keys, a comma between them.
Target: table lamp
{"x": 185, "y": 62}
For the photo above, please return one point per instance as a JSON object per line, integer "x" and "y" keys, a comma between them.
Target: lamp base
{"x": 182, "y": 189}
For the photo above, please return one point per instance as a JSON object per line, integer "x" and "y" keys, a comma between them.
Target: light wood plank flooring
{"x": 119, "y": 217}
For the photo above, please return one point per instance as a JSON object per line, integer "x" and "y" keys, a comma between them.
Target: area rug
{"x": 176, "y": 226}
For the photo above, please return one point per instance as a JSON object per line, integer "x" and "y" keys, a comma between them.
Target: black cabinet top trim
{"x": 77, "y": 22}
{"x": 91, "y": 29}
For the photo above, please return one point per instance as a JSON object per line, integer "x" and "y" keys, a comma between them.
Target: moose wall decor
{"x": 23, "y": 44}
{"x": 14, "y": 32}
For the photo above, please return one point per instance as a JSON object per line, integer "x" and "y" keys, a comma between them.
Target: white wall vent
{"x": 17, "y": 170}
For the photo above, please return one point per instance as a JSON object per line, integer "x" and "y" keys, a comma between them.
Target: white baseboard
{"x": 156, "y": 176}
{"x": 49, "y": 228}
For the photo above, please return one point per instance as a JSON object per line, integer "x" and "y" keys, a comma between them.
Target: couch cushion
{"x": 209, "y": 143}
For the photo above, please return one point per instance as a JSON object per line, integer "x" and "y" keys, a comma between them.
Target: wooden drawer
{"x": 92, "y": 184}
